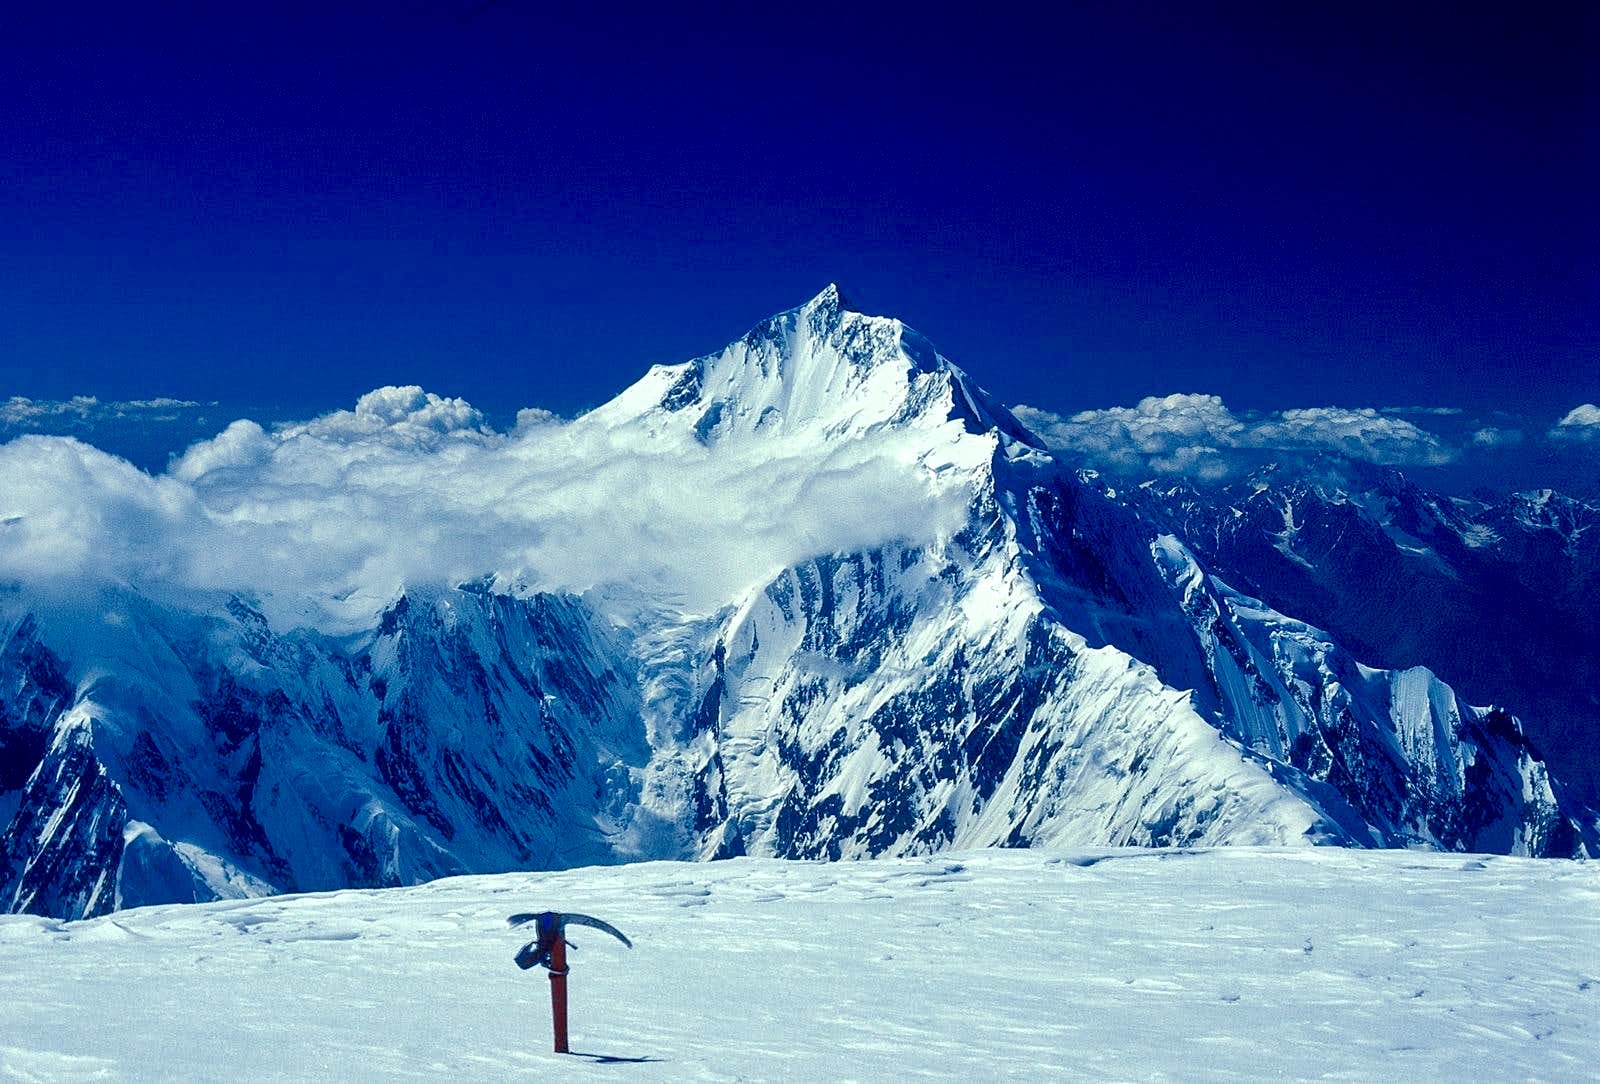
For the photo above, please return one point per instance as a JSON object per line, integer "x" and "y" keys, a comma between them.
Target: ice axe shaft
{"x": 558, "y": 993}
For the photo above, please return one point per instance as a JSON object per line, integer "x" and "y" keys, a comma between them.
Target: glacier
{"x": 873, "y": 617}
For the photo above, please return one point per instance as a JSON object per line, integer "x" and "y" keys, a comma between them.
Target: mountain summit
{"x": 822, "y": 369}
{"x": 1016, "y": 657}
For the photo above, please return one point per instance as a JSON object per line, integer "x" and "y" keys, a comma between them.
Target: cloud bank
{"x": 1198, "y": 436}
{"x": 145, "y": 431}
{"x": 324, "y": 522}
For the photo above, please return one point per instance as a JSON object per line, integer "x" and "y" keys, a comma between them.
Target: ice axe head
{"x": 551, "y": 926}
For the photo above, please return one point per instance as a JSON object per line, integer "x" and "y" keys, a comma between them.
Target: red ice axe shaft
{"x": 558, "y": 992}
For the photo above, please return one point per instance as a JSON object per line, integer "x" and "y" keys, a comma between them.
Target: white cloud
{"x": 243, "y": 445}
{"x": 532, "y": 417}
{"x": 1582, "y": 423}
{"x": 70, "y": 509}
{"x": 1178, "y": 426}
{"x": 1197, "y": 435}
{"x": 324, "y": 522}
{"x": 1434, "y": 411}
{"x": 403, "y": 417}
{"x": 1360, "y": 434}
{"x": 20, "y": 412}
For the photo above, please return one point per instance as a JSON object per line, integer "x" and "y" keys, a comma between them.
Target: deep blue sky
{"x": 290, "y": 204}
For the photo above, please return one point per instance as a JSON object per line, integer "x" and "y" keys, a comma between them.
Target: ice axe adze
{"x": 549, "y": 949}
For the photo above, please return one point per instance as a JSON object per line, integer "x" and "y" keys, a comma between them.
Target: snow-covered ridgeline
{"x": 905, "y": 699}
{"x": 822, "y": 372}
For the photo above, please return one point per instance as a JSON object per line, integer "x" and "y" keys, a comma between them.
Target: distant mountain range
{"x": 1070, "y": 660}
{"x": 1500, "y": 598}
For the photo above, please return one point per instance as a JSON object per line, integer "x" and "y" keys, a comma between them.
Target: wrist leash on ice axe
{"x": 549, "y": 950}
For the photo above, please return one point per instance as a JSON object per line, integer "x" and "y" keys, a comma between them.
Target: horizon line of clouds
{"x": 21, "y": 411}
{"x": 1378, "y": 434}
{"x": 410, "y": 487}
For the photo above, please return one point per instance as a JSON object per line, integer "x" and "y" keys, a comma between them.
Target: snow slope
{"x": 1227, "y": 964}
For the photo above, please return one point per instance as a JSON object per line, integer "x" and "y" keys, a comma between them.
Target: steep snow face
{"x": 195, "y": 757}
{"x": 902, "y": 701}
{"x": 1398, "y": 746}
{"x": 1390, "y": 766}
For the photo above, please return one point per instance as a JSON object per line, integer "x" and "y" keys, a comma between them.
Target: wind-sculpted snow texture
{"x": 1013, "y": 658}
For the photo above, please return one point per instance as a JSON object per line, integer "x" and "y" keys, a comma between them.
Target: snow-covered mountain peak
{"x": 833, "y": 299}
{"x": 822, "y": 368}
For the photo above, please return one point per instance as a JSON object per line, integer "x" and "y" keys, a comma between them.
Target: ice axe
{"x": 549, "y": 949}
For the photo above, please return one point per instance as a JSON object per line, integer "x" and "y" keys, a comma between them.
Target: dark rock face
{"x": 61, "y": 848}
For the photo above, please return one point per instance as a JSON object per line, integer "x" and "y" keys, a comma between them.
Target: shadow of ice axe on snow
{"x": 549, "y": 950}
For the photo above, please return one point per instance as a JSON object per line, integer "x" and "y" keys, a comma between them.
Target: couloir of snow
{"x": 1226, "y": 964}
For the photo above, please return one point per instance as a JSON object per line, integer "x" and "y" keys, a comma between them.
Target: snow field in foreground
{"x": 1098, "y": 965}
